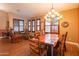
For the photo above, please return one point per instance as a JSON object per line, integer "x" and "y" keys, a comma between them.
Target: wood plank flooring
{"x": 72, "y": 50}
{"x": 14, "y": 49}
{"x": 22, "y": 48}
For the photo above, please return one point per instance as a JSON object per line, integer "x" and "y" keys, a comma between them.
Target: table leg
{"x": 50, "y": 50}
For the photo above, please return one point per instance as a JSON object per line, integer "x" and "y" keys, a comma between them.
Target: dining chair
{"x": 37, "y": 48}
{"x": 63, "y": 43}
{"x": 65, "y": 40}
{"x": 57, "y": 49}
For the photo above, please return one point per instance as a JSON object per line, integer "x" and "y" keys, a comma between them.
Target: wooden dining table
{"x": 50, "y": 40}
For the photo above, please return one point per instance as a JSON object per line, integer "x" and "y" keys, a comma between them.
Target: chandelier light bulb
{"x": 57, "y": 13}
{"x": 53, "y": 10}
{"x": 53, "y": 16}
{"x": 61, "y": 16}
{"x": 49, "y": 13}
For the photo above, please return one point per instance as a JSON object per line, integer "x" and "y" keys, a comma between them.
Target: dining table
{"x": 50, "y": 40}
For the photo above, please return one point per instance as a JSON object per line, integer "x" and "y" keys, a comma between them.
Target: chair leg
{"x": 62, "y": 52}
{"x": 64, "y": 47}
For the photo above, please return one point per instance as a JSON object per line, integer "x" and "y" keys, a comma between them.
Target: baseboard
{"x": 73, "y": 43}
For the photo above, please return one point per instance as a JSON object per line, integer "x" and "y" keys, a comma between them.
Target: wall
{"x": 25, "y": 23}
{"x": 4, "y": 17}
{"x": 42, "y": 23}
{"x": 3, "y": 20}
{"x": 78, "y": 25}
{"x": 71, "y": 16}
{"x": 11, "y": 16}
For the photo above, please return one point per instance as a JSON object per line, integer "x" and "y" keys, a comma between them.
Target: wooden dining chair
{"x": 34, "y": 48}
{"x": 57, "y": 49}
{"x": 63, "y": 43}
{"x": 37, "y": 48}
{"x": 65, "y": 40}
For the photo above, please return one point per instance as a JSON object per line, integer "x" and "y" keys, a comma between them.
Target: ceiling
{"x": 35, "y": 9}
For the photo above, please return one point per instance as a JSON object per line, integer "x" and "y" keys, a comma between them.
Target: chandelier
{"x": 53, "y": 14}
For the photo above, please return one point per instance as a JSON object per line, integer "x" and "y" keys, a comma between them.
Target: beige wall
{"x": 25, "y": 23}
{"x": 4, "y": 17}
{"x": 72, "y": 17}
{"x": 11, "y": 16}
{"x": 3, "y": 20}
{"x": 78, "y": 25}
{"x": 42, "y": 23}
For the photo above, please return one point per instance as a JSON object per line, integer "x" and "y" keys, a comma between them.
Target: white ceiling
{"x": 35, "y": 9}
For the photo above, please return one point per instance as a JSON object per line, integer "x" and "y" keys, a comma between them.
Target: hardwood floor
{"x": 14, "y": 49}
{"x": 22, "y": 48}
{"x": 72, "y": 50}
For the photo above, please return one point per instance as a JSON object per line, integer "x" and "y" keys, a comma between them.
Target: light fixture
{"x": 61, "y": 16}
{"x": 57, "y": 13}
{"x": 53, "y": 10}
{"x": 52, "y": 14}
{"x": 49, "y": 13}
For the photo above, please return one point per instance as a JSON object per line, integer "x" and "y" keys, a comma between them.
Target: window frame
{"x": 51, "y": 32}
{"x": 29, "y": 25}
{"x": 38, "y": 19}
{"x": 33, "y": 25}
{"x": 18, "y": 20}
{"x": 23, "y": 25}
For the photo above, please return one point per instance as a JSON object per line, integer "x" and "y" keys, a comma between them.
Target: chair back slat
{"x": 63, "y": 43}
{"x": 36, "y": 47}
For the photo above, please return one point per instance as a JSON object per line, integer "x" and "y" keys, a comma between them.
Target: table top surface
{"x": 50, "y": 39}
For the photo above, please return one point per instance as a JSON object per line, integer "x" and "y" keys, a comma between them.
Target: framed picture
{"x": 65, "y": 24}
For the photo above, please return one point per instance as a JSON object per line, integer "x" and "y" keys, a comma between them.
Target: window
{"x": 33, "y": 25}
{"x": 18, "y": 25}
{"x": 51, "y": 30}
{"x": 51, "y": 26}
{"x": 55, "y": 25}
{"x": 47, "y": 26}
{"x": 29, "y": 25}
{"x": 21, "y": 25}
{"x": 38, "y": 25}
